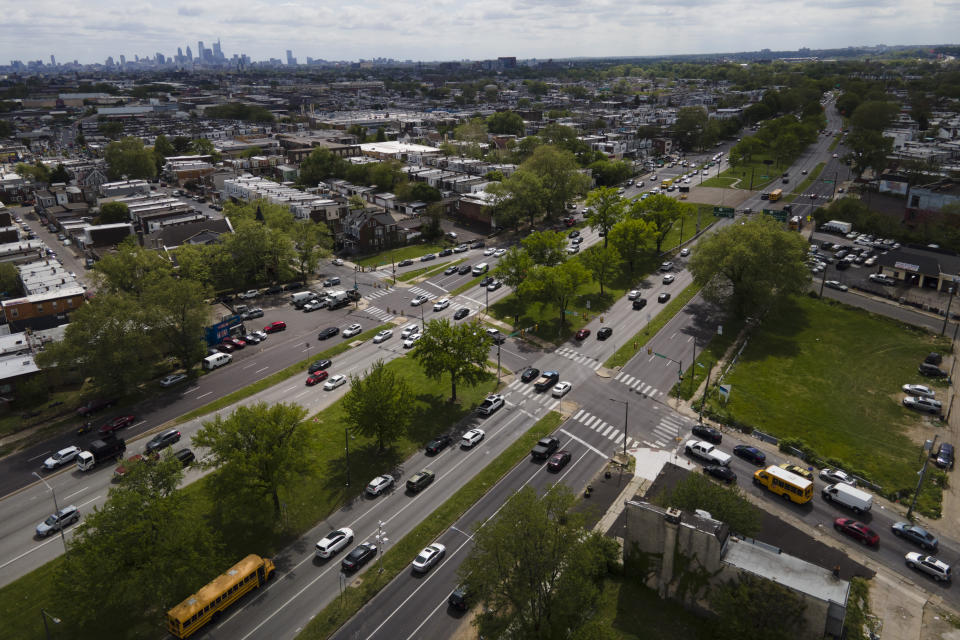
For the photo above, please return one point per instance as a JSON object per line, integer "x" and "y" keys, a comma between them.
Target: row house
{"x": 50, "y": 295}
{"x": 148, "y": 212}
{"x": 304, "y": 205}
{"x": 124, "y": 188}
{"x": 371, "y": 230}
{"x": 184, "y": 171}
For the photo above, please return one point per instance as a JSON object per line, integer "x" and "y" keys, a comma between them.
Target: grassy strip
{"x": 400, "y": 253}
{"x": 833, "y": 145}
{"x": 274, "y": 378}
{"x": 632, "y": 347}
{"x": 628, "y": 610}
{"x": 398, "y": 558}
{"x": 809, "y": 180}
{"x": 22, "y": 599}
{"x": 707, "y": 359}
{"x": 426, "y": 272}
{"x": 466, "y": 286}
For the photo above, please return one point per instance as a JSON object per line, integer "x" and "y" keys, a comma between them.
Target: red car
{"x": 226, "y": 347}
{"x": 314, "y": 378}
{"x": 277, "y": 325}
{"x": 582, "y": 334}
{"x": 857, "y": 530}
{"x": 117, "y": 423}
{"x": 558, "y": 460}
{"x": 237, "y": 342}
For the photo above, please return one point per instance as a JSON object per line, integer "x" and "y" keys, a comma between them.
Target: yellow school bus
{"x": 784, "y": 483}
{"x": 775, "y": 195}
{"x": 205, "y": 605}
{"x": 666, "y": 183}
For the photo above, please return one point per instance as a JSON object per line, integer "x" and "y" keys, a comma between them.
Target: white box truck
{"x": 843, "y": 494}
{"x": 838, "y": 226}
{"x": 216, "y": 360}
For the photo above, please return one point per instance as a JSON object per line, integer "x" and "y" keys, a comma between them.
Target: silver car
{"x": 61, "y": 457}
{"x": 63, "y": 518}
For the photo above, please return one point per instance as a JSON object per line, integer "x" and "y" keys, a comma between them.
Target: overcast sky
{"x": 91, "y": 30}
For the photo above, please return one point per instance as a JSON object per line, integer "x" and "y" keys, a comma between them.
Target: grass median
{"x": 274, "y": 378}
{"x": 803, "y": 186}
{"x": 400, "y": 253}
{"x": 639, "y": 340}
{"x": 399, "y": 556}
{"x": 426, "y": 272}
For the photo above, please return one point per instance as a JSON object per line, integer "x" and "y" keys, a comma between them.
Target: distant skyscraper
{"x": 123, "y": 60}
{"x": 109, "y": 61}
{"x": 189, "y": 54}
{"x": 290, "y": 59}
{"x": 200, "y": 50}
{"x": 217, "y": 52}
{"x": 179, "y": 54}
{"x": 53, "y": 61}
{"x": 160, "y": 58}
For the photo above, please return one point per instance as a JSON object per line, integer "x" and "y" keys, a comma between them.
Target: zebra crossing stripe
{"x": 618, "y": 376}
{"x": 646, "y": 389}
{"x": 579, "y": 413}
{"x": 607, "y": 430}
{"x": 599, "y": 426}
{"x": 553, "y": 405}
{"x": 636, "y": 384}
{"x": 598, "y": 365}
{"x": 590, "y": 421}
{"x": 619, "y": 438}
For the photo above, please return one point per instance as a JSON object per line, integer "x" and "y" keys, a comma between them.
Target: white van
{"x": 302, "y": 296}
{"x": 851, "y": 497}
{"x": 480, "y": 268}
{"x": 216, "y": 360}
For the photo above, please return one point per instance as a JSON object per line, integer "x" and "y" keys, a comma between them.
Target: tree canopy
{"x": 458, "y": 350}
{"x": 378, "y": 404}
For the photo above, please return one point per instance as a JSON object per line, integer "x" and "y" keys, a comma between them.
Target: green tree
{"x": 513, "y": 267}
{"x": 474, "y": 130}
{"x": 320, "y": 165}
{"x": 379, "y": 404}
{"x": 259, "y": 253}
{"x": 311, "y": 241}
{"x": 161, "y": 538}
{"x": 603, "y": 262}
{"x": 559, "y": 174}
{"x": 633, "y": 239}
{"x": 6, "y": 129}
{"x": 506, "y": 122}
{"x": 113, "y": 212}
{"x": 557, "y": 285}
{"x": 874, "y": 115}
{"x": 750, "y": 266}
{"x": 265, "y": 448}
{"x": 662, "y": 212}
{"x": 726, "y": 504}
{"x": 203, "y": 147}
{"x": 689, "y": 127}
{"x": 459, "y": 350}
{"x": 608, "y": 173}
{"x": 537, "y": 88}
{"x": 181, "y": 144}
{"x": 546, "y": 582}
{"x": 130, "y": 269}
{"x": 523, "y": 193}
{"x": 128, "y": 157}
{"x": 37, "y": 172}
{"x": 607, "y": 209}
{"x": 423, "y": 192}
{"x": 9, "y": 280}
{"x": 111, "y": 129}
{"x": 163, "y": 147}
{"x": 753, "y": 608}
{"x": 869, "y": 150}
{"x": 547, "y": 248}
{"x": 431, "y": 228}
{"x": 252, "y": 151}
{"x": 180, "y": 314}
{"x": 60, "y": 174}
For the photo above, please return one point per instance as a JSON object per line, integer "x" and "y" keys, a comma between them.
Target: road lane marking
{"x": 204, "y": 395}
{"x": 584, "y": 443}
{"x": 261, "y": 369}
{"x": 75, "y": 493}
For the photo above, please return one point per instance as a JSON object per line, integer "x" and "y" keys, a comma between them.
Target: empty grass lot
{"x": 831, "y": 376}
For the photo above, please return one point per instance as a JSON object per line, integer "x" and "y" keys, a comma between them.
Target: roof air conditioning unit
{"x": 672, "y": 515}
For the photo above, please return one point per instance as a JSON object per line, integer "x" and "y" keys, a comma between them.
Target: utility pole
{"x": 703, "y": 400}
{"x": 822, "y": 281}
{"x": 63, "y": 538}
{"x": 346, "y": 439}
{"x": 946, "y": 317}
{"x": 922, "y": 473}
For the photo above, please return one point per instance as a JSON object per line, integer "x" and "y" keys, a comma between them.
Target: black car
{"x": 445, "y": 252}
{"x": 529, "y": 374}
{"x": 639, "y": 303}
{"x": 663, "y": 297}
{"x": 709, "y": 434}
{"x": 545, "y": 447}
{"x": 478, "y": 244}
{"x": 450, "y": 270}
{"x": 358, "y": 557}
{"x": 573, "y": 234}
{"x": 428, "y": 257}
{"x": 604, "y": 333}
{"x": 750, "y": 454}
{"x": 721, "y": 473}
{"x": 292, "y": 286}
{"x": 461, "y": 313}
{"x": 436, "y": 446}
{"x": 405, "y": 263}
{"x": 493, "y": 286}
{"x": 484, "y": 282}
{"x": 931, "y": 370}
{"x": 329, "y": 332}
{"x": 933, "y": 358}
{"x": 944, "y": 457}
{"x": 458, "y": 599}
{"x": 185, "y": 456}
{"x": 163, "y": 440}
{"x": 464, "y": 269}
{"x": 319, "y": 365}
{"x": 274, "y": 290}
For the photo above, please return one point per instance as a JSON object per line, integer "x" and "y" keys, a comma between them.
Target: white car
{"x": 430, "y": 556}
{"x": 419, "y": 300}
{"x": 687, "y": 181}
{"x": 260, "y": 334}
{"x": 561, "y": 389}
{"x": 490, "y": 404}
{"x": 835, "y": 284}
{"x": 334, "y": 541}
{"x": 669, "y": 278}
{"x": 574, "y": 249}
{"x": 633, "y": 294}
{"x": 499, "y": 252}
{"x": 685, "y": 252}
{"x": 250, "y": 294}
{"x": 409, "y": 330}
{"x": 938, "y": 569}
{"x": 471, "y": 438}
{"x": 337, "y": 262}
{"x": 172, "y": 379}
{"x": 833, "y": 476}
{"x": 923, "y": 404}
{"x": 489, "y": 251}
{"x": 383, "y": 335}
{"x": 352, "y": 330}
{"x": 441, "y": 304}
{"x": 334, "y": 382}
{"x": 412, "y": 340}
{"x": 379, "y": 484}
{"x": 920, "y": 390}
{"x": 61, "y": 457}
{"x": 666, "y": 266}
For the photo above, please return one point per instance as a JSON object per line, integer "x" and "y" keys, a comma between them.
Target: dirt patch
{"x": 938, "y": 624}
{"x": 919, "y": 431}
{"x": 718, "y": 196}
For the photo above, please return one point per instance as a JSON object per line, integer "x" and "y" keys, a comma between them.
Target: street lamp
{"x": 626, "y": 416}
{"x": 346, "y": 439}
{"x": 55, "y": 507}
{"x": 53, "y": 619}
{"x": 382, "y": 540}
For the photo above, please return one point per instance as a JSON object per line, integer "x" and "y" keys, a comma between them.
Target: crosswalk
{"x": 379, "y": 314}
{"x": 579, "y": 358}
{"x": 637, "y": 385}
{"x": 664, "y": 434}
{"x": 376, "y": 293}
{"x": 423, "y": 292}
{"x": 518, "y": 392}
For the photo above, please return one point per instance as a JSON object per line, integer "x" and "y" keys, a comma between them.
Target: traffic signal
{"x": 649, "y": 351}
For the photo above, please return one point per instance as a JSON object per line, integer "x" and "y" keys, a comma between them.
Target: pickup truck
{"x": 545, "y": 447}
{"x": 546, "y": 380}
{"x": 707, "y": 452}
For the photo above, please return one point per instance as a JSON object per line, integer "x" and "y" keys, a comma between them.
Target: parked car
{"x": 172, "y": 379}
{"x": 459, "y": 598}
{"x": 835, "y": 284}
{"x": 720, "y": 472}
{"x": 250, "y": 294}
{"x": 333, "y": 542}
{"x": 929, "y": 405}
{"x": 276, "y": 325}
{"x": 57, "y": 521}
{"x": 360, "y": 556}
{"x": 329, "y": 332}
{"x": 915, "y": 534}
{"x": 352, "y": 330}
{"x": 857, "y": 530}
{"x": 250, "y": 314}
{"x": 558, "y": 460}
{"x": 750, "y": 454}
{"x": 944, "y": 456}
{"x": 379, "y": 484}
{"x": 405, "y": 263}
{"x": 919, "y": 390}
{"x": 490, "y": 404}
{"x": 439, "y": 444}
{"x": 185, "y": 456}
{"x": 464, "y": 269}
{"x": 931, "y": 371}
{"x": 430, "y": 556}
{"x": 797, "y": 470}
{"x": 410, "y": 330}
{"x": 117, "y": 423}
{"x": 471, "y": 438}
{"x": 382, "y": 335}
{"x": 666, "y": 266}
{"x": 707, "y": 433}
{"x": 226, "y": 347}
{"x": 420, "y": 480}
{"x": 162, "y": 440}
{"x": 428, "y": 257}
{"x": 334, "y": 382}
{"x": 834, "y": 476}
{"x": 937, "y": 569}
{"x": 252, "y": 338}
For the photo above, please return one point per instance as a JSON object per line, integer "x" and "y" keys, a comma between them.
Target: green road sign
{"x": 828, "y": 181}
{"x": 776, "y": 214}
{"x": 723, "y": 212}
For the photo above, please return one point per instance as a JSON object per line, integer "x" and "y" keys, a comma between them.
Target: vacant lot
{"x": 831, "y": 376}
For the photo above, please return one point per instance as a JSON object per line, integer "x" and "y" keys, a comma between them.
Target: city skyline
{"x": 94, "y": 31}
